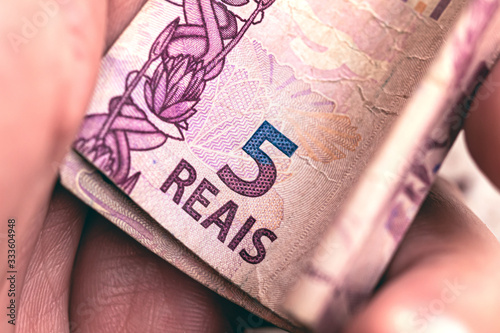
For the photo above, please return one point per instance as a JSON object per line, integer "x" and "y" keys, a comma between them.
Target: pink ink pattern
{"x": 189, "y": 55}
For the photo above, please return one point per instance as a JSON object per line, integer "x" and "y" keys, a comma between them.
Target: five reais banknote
{"x": 277, "y": 150}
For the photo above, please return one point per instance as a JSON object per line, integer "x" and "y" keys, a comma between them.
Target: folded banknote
{"x": 270, "y": 149}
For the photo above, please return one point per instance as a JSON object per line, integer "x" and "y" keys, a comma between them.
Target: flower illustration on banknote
{"x": 188, "y": 54}
{"x": 175, "y": 89}
{"x": 256, "y": 87}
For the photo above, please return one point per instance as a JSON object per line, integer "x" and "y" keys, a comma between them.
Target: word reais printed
{"x": 256, "y": 188}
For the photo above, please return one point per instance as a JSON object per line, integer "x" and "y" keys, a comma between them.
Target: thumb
{"x": 49, "y": 58}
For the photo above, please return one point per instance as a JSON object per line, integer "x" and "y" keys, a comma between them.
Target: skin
{"x": 77, "y": 270}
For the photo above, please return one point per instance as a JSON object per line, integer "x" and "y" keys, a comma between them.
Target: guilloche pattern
{"x": 239, "y": 129}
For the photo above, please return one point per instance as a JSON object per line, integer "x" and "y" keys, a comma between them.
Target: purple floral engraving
{"x": 188, "y": 55}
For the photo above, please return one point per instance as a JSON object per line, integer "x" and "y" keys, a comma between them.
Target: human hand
{"x": 445, "y": 276}
{"x": 102, "y": 280}
{"x": 47, "y": 79}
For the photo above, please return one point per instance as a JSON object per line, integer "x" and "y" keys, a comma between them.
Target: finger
{"x": 49, "y": 61}
{"x": 118, "y": 285}
{"x": 444, "y": 278}
{"x": 481, "y": 127}
{"x": 40, "y": 284}
{"x": 45, "y": 297}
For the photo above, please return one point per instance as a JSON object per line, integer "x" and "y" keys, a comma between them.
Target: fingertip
{"x": 431, "y": 300}
{"x": 482, "y": 127}
{"x": 444, "y": 277}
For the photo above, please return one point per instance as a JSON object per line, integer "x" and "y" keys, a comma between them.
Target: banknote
{"x": 92, "y": 187}
{"x": 356, "y": 249}
{"x": 228, "y": 137}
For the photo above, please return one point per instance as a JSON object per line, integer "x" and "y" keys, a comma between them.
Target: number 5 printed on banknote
{"x": 231, "y": 136}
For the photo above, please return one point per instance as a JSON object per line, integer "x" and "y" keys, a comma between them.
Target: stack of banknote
{"x": 277, "y": 150}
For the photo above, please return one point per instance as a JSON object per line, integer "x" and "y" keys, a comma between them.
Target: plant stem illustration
{"x": 189, "y": 55}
